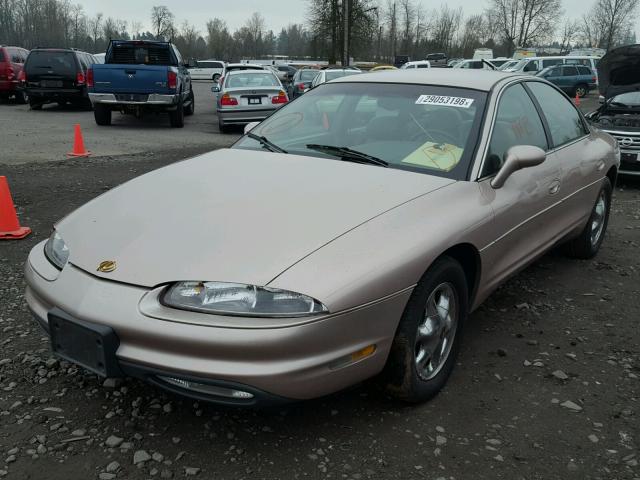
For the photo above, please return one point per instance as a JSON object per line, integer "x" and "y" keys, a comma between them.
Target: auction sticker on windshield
{"x": 444, "y": 100}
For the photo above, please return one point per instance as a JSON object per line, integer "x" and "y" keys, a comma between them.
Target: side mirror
{"x": 215, "y": 88}
{"x": 517, "y": 158}
{"x": 250, "y": 126}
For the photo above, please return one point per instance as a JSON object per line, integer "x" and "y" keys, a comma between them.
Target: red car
{"x": 11, "y": 63}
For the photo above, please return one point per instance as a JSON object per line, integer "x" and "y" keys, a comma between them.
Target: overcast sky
{"x": 277, "y": 13}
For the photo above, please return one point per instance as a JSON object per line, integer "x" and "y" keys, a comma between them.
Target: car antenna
{"x": 491, "y": 65}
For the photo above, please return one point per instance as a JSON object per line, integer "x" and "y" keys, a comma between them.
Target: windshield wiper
{"x": 265, "y": 142}
{"x": 345, "y": 153}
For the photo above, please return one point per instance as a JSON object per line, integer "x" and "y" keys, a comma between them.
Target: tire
{"x": 222, "y": 127}
{"x": 216, "y": 77}
{"x": 102, "y": 115}
{"x": 21, "y": 97}
{"x": 581, "y": 90}
{"x": 190, "y": 110}
{"x": 587, "y": 244}
{"x": 176, "y": 117}
{"x": 414, "y": 371}
{"x": 34, "y": 104}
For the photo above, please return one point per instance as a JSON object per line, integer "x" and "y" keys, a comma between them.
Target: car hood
{"x": 619, "y": 71}
{"x": 231, "y": 215}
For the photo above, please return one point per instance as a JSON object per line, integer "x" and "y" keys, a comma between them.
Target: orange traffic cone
{"x": 577, "y": 100}
{"x": 78, "y": 144}
{"x": 10, "y": 228}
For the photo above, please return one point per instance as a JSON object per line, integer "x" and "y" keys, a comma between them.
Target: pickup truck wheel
{"x": 102, "y": 115}
{"x": 581, "y": 91}
{"x": 190, "y": 110}
{"x": 176, "y": 117}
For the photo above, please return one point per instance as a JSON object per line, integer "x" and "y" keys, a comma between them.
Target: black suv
{"x": 57, "y": 75}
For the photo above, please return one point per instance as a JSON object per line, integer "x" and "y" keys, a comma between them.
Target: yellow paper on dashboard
{"x": 439, "y": 156}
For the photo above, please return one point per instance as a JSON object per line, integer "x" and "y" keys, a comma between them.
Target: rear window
{"x": 308, "y": 75}
{"x": 250, "y": 80}
{"x": 134, "y": 54}
{"x": 52, "y": 61}
{"x": 436, "y": 56}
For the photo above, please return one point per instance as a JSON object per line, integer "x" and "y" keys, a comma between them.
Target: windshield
{"x": 423, "y": 128}
{"x": 520, "y": 65}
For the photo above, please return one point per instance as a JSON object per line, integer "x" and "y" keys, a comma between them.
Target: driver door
{"x": 523, "y": 206}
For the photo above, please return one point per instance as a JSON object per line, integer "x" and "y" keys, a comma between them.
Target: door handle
{"x": 554, "y": 187}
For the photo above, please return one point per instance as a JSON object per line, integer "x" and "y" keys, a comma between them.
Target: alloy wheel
{"x": 598, "y": 219}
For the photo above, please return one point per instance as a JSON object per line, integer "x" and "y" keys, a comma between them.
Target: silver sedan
{"x": 246, "y": 96}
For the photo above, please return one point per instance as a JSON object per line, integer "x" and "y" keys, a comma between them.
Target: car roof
{"x": 248, "y": 66}
{"x": 477, "y": 79}
{"x": 250, "y": 70}
{"x": 340, "y": 70}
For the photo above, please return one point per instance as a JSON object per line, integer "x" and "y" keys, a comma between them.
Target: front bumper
{"x": 294, "y": 361}
{"x": 153, "y": 99}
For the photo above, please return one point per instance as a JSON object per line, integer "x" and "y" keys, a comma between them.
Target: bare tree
{"x": 610, "y": 21}
{"x": 255, "y": 28}
{"x": 570, "y": 31}
{"x": 95, "y": 26}
{"x": 162, "y": 21}
{"x": 523, "y": 23}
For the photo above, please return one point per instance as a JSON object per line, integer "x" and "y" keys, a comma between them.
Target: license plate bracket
{"x": 630, "y": 157}
{"x": 51, "y": 83}
{"x": 90, "y": 345}
{"x": 255, "y": 100}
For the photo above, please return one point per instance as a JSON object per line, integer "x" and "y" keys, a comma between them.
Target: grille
{"x": 627, "y": 141}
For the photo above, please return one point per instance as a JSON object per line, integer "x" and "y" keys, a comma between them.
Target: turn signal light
{"x": 228, "y": 101}
{"x": 353, "y": 357}
{"x": 280, "y": 98}
{"x": 90, "y": 77}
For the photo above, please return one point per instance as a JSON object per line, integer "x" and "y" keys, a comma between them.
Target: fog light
{"x": 207, "y": 389}
{"x": 353, "y": 357}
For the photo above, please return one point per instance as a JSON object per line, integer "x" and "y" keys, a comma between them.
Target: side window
{"x": 424, "y": 65}
{"x": 564, "y": 121}
{"x": 517, "y": 123}
{"x": 550, "y": 62}
{"x": 555, "y": 72}
{"x": 530, "y": 67}
{"x": 178, "y": 56}
{"x": 569, "y": 71}
{"x": 584, "y": 71}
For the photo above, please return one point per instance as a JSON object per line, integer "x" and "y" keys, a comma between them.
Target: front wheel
{"x": 176, "y": 117}
{"x": 581, "y": 91}
{"x": 426, "y": 344}
{"x": 190, "y": 110}
{"x": 587, "y": 244}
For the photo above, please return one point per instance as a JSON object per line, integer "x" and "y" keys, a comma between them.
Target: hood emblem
{"x": 107, "y": 266}
{"x": 626, "y": 142}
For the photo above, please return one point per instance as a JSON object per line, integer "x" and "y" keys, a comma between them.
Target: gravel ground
{"x": 547, "y": 385}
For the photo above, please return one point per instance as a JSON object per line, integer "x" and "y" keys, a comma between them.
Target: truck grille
{"x": 627, "y": 141}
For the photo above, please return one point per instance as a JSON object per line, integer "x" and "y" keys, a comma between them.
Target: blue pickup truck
{"x": 138, "y": 77}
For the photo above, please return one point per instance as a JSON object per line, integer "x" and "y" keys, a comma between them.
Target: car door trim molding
{"x": 524, "y": 222}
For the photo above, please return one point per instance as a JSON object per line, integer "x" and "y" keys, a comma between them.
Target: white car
{"x": 474, "y": 64}
{"x": 207, "y": 70}
{"x": 416, "y": 64}
{"x": 331, "y": 74}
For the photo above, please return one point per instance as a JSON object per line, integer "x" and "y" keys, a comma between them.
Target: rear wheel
{"x": 588, "y": 243}
{"x": 34, "y": 104}
{"x": 222, "y": 127}
{"x": 426, "y": 344}
{"x": 581, "y": 91}
{"x": 22, "y": 97}
{"x": 176, "y": 117}
{"x": 190, "y": 110}
{"x": 102, "y": 114}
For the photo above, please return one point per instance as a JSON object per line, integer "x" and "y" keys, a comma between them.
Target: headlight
{"x": 239, "y": 299}
{"x": 56, "y": 250}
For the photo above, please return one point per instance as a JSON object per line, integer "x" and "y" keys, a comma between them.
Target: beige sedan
{"x": 347, "y": 236}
